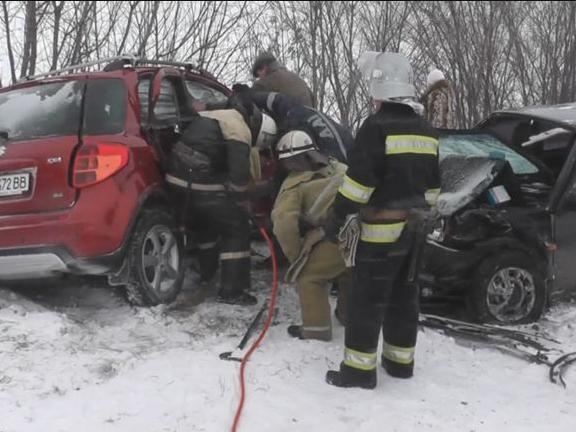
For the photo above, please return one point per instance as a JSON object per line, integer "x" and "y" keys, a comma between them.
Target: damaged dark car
{"x": 506, "y": 239}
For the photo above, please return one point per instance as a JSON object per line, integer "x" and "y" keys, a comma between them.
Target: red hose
{"x": 267, "y": 324}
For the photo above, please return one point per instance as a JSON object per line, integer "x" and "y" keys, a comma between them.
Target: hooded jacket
{"x": 439, "y": 102}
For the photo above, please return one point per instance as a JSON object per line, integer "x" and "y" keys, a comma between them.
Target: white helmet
{"x": 389, "y": 75}
{"x": 294, "y": 143}
{"x": 267, "y": 133}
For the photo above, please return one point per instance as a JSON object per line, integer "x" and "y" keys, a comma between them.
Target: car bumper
{"x": 30, "y": 266}
{"x": 36, "y": 263}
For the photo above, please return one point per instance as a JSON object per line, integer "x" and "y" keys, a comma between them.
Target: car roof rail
{"x": 126, "y": 60}
{"x": 189, "y": 67}
{"x": 119, "y": 62}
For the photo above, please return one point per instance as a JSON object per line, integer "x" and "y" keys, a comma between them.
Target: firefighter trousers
{"x": 223, "y": 233}
{"x": 325, "y": 265}
{"x": 381, "y": 300}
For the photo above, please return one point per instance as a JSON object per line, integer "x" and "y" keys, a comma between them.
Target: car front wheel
{"x": 155, "y": 265}
{"x": 508, "y": 289}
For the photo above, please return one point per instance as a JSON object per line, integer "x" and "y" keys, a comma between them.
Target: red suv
{"x": 81, "y": 189}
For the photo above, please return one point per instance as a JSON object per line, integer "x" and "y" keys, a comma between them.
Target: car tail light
{"x": 97, "y": 162}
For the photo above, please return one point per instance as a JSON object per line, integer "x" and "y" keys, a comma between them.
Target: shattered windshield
{"x": 484, "y": 145}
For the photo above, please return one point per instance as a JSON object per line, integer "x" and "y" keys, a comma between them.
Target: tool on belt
{"x": 421, "y": 222}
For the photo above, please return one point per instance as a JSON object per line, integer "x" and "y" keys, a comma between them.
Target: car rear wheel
{"x": 508, "y": 289}
{"x": 155, "y": 260}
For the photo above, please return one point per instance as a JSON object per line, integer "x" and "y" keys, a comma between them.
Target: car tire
{"x": 155, "y": 266}
{"x": 507, "y": 289}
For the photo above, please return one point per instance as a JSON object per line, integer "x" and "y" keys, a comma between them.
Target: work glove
{"x": 348, "y": 239}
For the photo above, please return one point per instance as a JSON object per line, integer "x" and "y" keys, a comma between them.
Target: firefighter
{"x": 392, "y": 175}
{"x": 330, "y": 137}
{"x": 211, "y": 162}
{"x": 299, "y": 212}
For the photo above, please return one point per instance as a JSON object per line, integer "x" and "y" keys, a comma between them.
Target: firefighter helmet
{"x": 389, "y": 75}
{"x": 294, "y": 143}
{"x": 267, "y": 133}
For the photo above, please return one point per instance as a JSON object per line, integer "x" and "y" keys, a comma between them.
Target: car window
{"x": 40, "y": 111}
{"x": 485, "y": 145}
{"x": 204, "y": 93}
{"x": 105, "y": 107}
{"x": 144, "y": 96}
{"x": 54, "y": 109}
{"x": 166, "y": 109}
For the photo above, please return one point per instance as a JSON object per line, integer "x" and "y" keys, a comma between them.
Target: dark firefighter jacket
{"x": 393, "y": 165}
{"x": 330, "y": 137}
{"x": 213, "y": 153}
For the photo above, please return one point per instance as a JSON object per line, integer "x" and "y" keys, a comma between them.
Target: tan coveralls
{"x": 325, "y": 264}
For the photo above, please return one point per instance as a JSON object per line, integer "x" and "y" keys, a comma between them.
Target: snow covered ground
{"x": 76, "y": 358}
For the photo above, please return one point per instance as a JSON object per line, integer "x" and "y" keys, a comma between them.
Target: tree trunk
{"x": 57, "y": 9}
{"x": 9, "y": 42}
{"x": 30, "y": 43}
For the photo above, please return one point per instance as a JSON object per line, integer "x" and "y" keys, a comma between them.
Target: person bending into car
{"x": 330, "y": 138}
{"x": 211, "y": 162}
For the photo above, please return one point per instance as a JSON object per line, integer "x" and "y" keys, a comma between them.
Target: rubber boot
{"x": 348, "y": 377}
{"x": 295, "y": 331}
{"x": 234, "y": 280}
{"x": 208, "y": 263}
{"x": 396, "y": 370}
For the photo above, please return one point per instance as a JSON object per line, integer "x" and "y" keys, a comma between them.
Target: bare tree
{"x": 498, "y": 54}
{"x": 470, "y": 41}
{"x": 544, "y": 37}
{"x": 29, "y": 55}
{"x": 7, "y": 27}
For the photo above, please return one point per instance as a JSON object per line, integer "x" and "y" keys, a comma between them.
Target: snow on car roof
{"x": 564, "y": 113}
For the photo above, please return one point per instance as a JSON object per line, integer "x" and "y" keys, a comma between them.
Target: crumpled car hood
{"x": 464, "y": 179}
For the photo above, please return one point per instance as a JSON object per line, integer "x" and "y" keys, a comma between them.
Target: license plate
{"x": 14, "y": 184}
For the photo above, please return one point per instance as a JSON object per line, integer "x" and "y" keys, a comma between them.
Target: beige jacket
{"x": 298, "y": 194}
